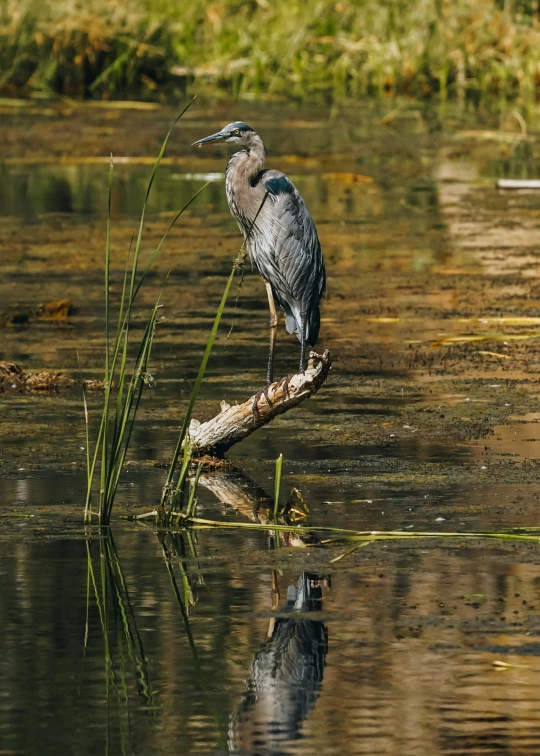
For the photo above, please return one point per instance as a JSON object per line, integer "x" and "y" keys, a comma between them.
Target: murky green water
{"x": 163, "y": 643}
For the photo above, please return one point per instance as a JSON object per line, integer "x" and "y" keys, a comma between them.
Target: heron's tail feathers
{"x": 293, "y": 323}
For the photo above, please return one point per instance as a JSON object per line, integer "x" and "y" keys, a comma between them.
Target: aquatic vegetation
{"x": 290, "y": 522}
{"x": 332, "y": 49}
{"x": 369, "y": 536}
{"x": 277, "y": 485}
{"x": 125, "y": 376}
{"x": 123, "y": 388}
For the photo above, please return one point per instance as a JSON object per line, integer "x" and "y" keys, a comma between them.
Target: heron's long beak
{"x": 218, "y": 137}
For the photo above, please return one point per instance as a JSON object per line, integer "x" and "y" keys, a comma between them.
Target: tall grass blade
{"x": 130, "y": 408}
{"x": 166, "y": 495}
{"x": 148, "y": 190}
{"x": 108, "y": 267}
{"x": 107, "y": 378}
{"x": 87, "y": 515}
{"x": 277, "y": 488}
{"x": 172, "y": 223}
{"x": 277, "y": 485}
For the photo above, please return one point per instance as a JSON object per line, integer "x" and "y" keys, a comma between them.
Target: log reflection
{"x": 234, "y": 489}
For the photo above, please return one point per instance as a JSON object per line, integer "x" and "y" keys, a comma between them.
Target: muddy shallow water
{"x": 428, "y": 421}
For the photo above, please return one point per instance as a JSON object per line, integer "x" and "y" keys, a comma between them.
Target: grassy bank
{"x": 298, "y": 48}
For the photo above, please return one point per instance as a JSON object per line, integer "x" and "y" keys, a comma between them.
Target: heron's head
{"x": 237, "y": 132}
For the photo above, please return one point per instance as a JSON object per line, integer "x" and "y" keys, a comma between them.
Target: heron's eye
{"x": 237, "y": 132}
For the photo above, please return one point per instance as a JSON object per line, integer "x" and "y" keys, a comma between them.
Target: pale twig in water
{"x": 350, "y": 551}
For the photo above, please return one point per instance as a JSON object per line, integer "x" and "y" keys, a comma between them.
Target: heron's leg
{"x": 273, "y": 328}
{"x": 303, "y": 342}
{"x": 270, "y": 369}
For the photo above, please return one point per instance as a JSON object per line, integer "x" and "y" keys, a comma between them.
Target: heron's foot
{"x": 256, "y": 400}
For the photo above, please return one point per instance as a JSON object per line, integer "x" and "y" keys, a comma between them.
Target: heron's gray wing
{"x": 297, "y": 250}
{"x": 292, "y": 259}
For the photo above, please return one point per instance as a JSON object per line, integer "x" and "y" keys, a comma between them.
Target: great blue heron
{"x": 279, "y": 234}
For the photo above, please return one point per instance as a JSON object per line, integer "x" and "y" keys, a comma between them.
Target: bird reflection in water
{"x": 285, "y": 676}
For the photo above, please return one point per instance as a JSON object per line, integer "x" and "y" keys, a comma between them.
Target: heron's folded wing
{"x": 297, "y": 259}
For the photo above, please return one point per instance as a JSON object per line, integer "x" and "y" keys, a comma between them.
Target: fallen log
{"x": 236, "y": 422}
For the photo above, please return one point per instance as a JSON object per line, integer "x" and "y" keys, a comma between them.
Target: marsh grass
{"x": 285, "y": 48}
{"x": 126, "y": 370}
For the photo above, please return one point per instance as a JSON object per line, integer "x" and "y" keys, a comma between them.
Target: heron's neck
{"x": 246, "y": 164}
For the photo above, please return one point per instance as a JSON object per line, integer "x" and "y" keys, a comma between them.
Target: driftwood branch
{"x": 236, "y": 422}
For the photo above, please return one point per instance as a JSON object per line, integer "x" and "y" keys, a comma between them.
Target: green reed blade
{"x": 130, "y": 407}
{"x": 149, "y": 188}
{"x": 108, "y": 386}
{"x": 119, "y": 340}
{"x": 127, "y": 418}
{"x": 87, "y": 515}
{"x": 162, "y": 240}
{"x": 108, "y": 267}
{"x": 277, "y": 485}
{"x": 197, "y": 386}
{"x": 141, "y": 363}
{"x": 107, "y": 378}
{"x": 177, "y": 500}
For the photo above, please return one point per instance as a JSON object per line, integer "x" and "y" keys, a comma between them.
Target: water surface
{"x": 218, "y": 642}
